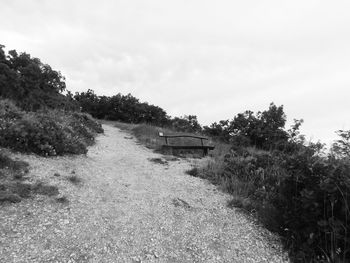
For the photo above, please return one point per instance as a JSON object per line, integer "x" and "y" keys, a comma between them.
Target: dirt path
{"x": 128, "y": 209}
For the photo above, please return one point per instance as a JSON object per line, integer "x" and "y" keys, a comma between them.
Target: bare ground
{"x": 128, "y": 209}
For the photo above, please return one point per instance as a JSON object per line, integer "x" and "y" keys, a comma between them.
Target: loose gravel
{"x": 122, "y": 207}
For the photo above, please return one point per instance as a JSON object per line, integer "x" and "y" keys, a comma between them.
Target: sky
{"x": 210, "y": 58}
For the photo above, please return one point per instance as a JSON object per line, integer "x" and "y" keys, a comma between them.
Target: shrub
{"x": 46, "y": 133}
{"x": 303, "y": 195}
{"x": 32, "y": 84}
{"x": 124, "y": 108}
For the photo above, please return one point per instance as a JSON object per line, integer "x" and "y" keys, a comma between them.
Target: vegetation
{"x": 46, "y": 133}
{"x": 149, "y": 136}
{"x": 263, "y": 130}
{"x": 31, "y": 84}
{"x": 128, "y": 109}
{"x": 12, "y": 187}
{"x": 34, "y": 114}
{"x": 9, "y": 164}
{"x": 35, "y": 117}
{"x": 125, "y": 108}
{"x": 295, "y": 188}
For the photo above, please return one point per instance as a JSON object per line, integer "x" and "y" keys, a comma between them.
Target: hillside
{"x": 122, "y": 207}
{"x": 296, "y": 188}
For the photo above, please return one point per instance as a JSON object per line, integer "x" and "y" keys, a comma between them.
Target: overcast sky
{"x": 210, "y": 58}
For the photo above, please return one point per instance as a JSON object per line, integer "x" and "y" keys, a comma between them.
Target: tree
{"x": 125, "y": 108}
{"x": 88, "y": 101}
{"x": 264, "y": 130}
{"x": 30, "y": 83}
{"x": 187, "y": 123}
{"x": 341, "y": 147}
{"x": 219, "y": 130}
{"x": 272, "y": 126}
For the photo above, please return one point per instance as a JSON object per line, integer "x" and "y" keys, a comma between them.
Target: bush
{"x": 32, "y": 84}
{"x": 124, "y": 108}
{"x": 46, "y": 133}
{"x": 303, "y": 195}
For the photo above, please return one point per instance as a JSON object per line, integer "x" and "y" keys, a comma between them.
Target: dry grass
{"x": 43, "y": 189}
{"x": 212, "y": 170}
{"x": 148, "y": 135}
{"x": 12, "y": 187}
{"x": 7, "y": 163}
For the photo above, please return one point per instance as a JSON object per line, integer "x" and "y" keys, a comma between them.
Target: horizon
{"x": 204, "y": 58}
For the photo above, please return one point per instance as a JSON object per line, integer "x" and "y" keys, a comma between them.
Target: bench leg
{"x": 205, "y": 151}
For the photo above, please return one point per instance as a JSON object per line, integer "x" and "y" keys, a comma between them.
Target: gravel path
{"x": 128, "y": 209}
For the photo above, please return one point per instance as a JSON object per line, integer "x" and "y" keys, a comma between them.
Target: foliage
{"x": 31, "y": 84}
{"x": 264, "y": 130}
{"x": 219, "y": 130}
{"x": 128, "y": 109}
{"x": 296, "y": 190}
{"x": 187, "y": 123}
{"x": 124, "y": 108}
{"x": 341, "y": 147}
{"x": 46, "y": 133}
{"x": 149, "y": 136}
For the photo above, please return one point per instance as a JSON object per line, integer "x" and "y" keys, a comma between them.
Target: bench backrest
{"x": 166, "y": 136}
{"x": 181, "y": 135}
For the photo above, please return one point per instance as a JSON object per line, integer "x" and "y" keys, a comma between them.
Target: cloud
{"x": 209, "y": 58}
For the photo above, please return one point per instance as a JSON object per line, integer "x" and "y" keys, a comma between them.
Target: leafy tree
{"x": 88, "y": 101}
{"x": 188, "y": 123}
{"x": 341, "y": 147}
{"x": 264, "y": 129}
{"x": 272, "y": 126}
{"x": 30, "y": 83}
{"x": 125, "y": 108}
{"x": 218, "y": 130}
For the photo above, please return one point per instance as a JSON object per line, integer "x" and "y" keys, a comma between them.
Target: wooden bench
{"x": 203, "y": 147}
